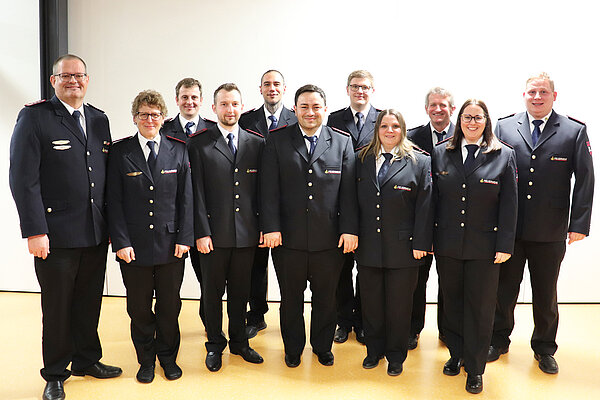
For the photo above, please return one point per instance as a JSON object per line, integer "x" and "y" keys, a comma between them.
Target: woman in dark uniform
{"x": 396, "y": 223}
{"x": 475, "y": 196}
{"x": 149, "y": 202}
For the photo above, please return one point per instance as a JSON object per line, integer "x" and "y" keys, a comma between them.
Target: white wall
{"x": 479, "y": 50}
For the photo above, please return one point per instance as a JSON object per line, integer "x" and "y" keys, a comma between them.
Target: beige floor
{"x": 514, "y": 376}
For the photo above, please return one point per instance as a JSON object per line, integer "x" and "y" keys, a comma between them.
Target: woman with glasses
{"x": 475, "y": 197}
{"x": 149, "y": 203}
{"x": 396, "y": 223}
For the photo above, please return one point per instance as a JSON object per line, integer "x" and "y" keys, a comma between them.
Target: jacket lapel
{"x": 242, "y": 144}
{"x": 299, "y": 144}
{"x": 395, "y": 167}
{"x": 67, "y": 119}
{"x": 221, "y": 144}
{"x": 165, "y": 153}
{"x": 350, "y": 124}
{"x": 136, "y": 157}
{"x": 456, "y": 157}
{"x": 479, "y": 161}
{"x": 523, "y": 129}
{"x": 323, "y": 144}
{"x": 549, "y": 129}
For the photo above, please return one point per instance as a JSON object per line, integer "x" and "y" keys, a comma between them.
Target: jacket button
{"x": 237, "y": 183}
{"x": 49, "y": 209}
{"x": 151, "y": 201}
{"x": 310, "y": 197}
{"x": 462, "y": 212}
{"x": 237, "y": 196}
{"x": 531, "y": 169}
{"x": 235, "y": 170}
{"x": 378, "y": 230}
{"x": 151, "y": 187}
{"x": 495, "y": 229}
{"x": 464, "y": 186}
{"x": 378, "y": 206}
{"x": 530, "y": 183}
{"x": 309, "y": 183}
{"x": 92, "y": 184}
{"x": 533, "y": 156}
{"x": 462, "y": 224}
{"x": 528, "y": 197}
{"x": 151, "y": 226}
{"x": 237, "y": 209}
{"x": 310, "y": 171}
{"x": 463, "y": 198}
{"x": 151, "y": 213}
{"x": 89, "y": 168}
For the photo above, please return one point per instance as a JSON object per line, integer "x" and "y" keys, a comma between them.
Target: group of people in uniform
{"x": 321, "y": 198}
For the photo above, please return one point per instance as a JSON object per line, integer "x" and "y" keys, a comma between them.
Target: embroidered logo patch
{"x": 489, "y": 181}
{"x": 333, "y": 171}
{"x": 136, "y": 173}
{"x": 400, "y": 187}
{"x": 557, "y": 158}
{"x": 251, "y": 171}
{"x": 168, "y": 171}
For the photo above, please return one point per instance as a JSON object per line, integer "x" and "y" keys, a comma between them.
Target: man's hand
{"x": 501, "y": 257}
{"x": 418, "y": 254}
{"x": 180, "y": 250}
{"x": 39, "y": 246}
{"x": 574, "y": 237}
{"x": 126, "y": 254}
{"x": 350, "y": 242}
{"x": 204, "y": 245}
{"x": 272, "y": 239}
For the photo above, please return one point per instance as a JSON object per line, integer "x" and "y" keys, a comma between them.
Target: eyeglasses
{"x": 355, "y": 88}
{"x": 67, "y": 77}
{"x": 145, "y": 116}
{"x": 466, "y": 118}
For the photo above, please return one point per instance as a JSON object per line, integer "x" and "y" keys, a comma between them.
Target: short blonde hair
{"x": 150, "y": 98}
{"x": 541, "y": 76}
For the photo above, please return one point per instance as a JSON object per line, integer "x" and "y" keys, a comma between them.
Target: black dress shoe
{"x": 213, "y": 361}
{"x": 252, "y": 330}
{"x": 494, "y": 353}
{"x": 452, "y": 366}
{"x": 371, "y": 361}
{"x": 325, "y": 358}
{"x": 100, "y": 371}
{"x": 292, "y": 361}
{"x": 394, "y": 368}
{"x": 360, "y": 335}
{"x": 341, "y": 335}
{"x": 413, "y": 341}
{"x": 172, "y": 371}
{"x": 547, "y": 363}
{"x": 145, "y": 374}
{"x": 474, "y": 383}
{"x": 54, "y": 391}
{"x": 249, "y": 355}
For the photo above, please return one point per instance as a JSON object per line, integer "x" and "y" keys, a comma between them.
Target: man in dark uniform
{"x": 359, "y": 121}
{"x": 225, "y": 176}
{"x": 309, "y": 209}
{"x": 271, "y": 115}
{"x": 58, "y": 156}
{"x": 550, "y": 148}
{"x": 188, "y": 96}
{"x": 439, "y": 106}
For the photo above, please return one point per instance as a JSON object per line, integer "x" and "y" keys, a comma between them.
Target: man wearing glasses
{"x": 58, "y": 157}
{"x": 359, "y": 121}
{"x": 188, "y": 96}
{"x": 271, "y": 115}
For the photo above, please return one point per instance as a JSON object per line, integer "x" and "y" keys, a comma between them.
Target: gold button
{"x": 310, "y": 171}
{"x": 49, "y": 209}
{"x": 237, "y": 196}
{"x": 310, "y": 197}
{"x": 87, "y": 152}
{"x": 378, "y": 218}
{"x": 235, "y": 170}
{"x": 151, "y": 201}
{"x": 237, "y": 209}
{"x": 92, "y": 184}
{"x": 237, "y": 183}
{"x": 462, "y": 212}
{"x": 309, "y": 183}
{"x": 464, "y": 185}
{"x": 378, "y": 194}
{"x": 151, "y": 226}
{"x": 495, "y": 229}
{"x": 531, "y": 170}
{"x": 89, "y": 168}
{"x": 151, "y": 213}
{"x": 533, "y": 156}
{"x": 91, "y": 200}
{"x": 378, "y": 230}
{"x": 530, "y": 183}
{"x": 462, "y": 224}
{"x": 463, "y": 198}
{"x": 528, "y": 197}
{"x": 378, "y": 206}
{"x": 151, "y": 188}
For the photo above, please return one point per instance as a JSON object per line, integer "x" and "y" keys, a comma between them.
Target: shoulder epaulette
{"x": 417, "y": 127}
{"x": 95, "y": 108}
{"x": 36, "y": 103}
{"x": 339, "y": 131}
{"x": 198, "y": 132}
{"x": 176, "y": 139}
{"x": 115, "y": 141}
{"x": 255, "y": 133}
{"x": 249, "y": 111}
{"x": 576, "y": 120}
{"x": 338, "y": 111}
{"x": 420, "y": 150}
{"x": 278, "y": 129}
{"x": 508, "y": 116}
{"x": 209, "y": 120}
{"x": 360, "y": 148}
{"x": 444, "y": 141}
{"x": 504, "y": 143}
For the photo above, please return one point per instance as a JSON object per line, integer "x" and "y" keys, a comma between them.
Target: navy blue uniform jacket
{"x": 421, "y": 136}
{"x": 226, "y": 189}
{"x": 545, "y": 173}
{"x": 396, "y": 217}
{"x": 172, "y": 127}
{"x": 475, "y": 213}
{"x": 57, "y": 177}
{"x": 344, "y": 121}
{"x": 255, "y": 120}
{"x": 311, "y": 201}
{"x": 150, "y": 214}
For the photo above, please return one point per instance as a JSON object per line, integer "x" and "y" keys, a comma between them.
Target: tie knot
{"x": 387, "y": 156}
{"x": 77, "y": 114}
{"x": 151, "y": 144}
{"x": 312, "y": 139}
{"x": 472, "y": 148}
{"x": 537, "y": 122}
{"x": 189, "y": 125}
{"x": 230, "y": 136}
{"x": 359, "y": 115}
{"x": 273, "y": 118}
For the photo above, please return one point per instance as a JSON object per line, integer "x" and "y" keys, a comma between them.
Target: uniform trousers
{"x": 348, "y": 302}
{"x": 71, "y": 282}
{"x": 420, "y": 300}
{"x": 294, "y": 268}
{"x": 387, "y": 305}
{"x": 543, "y": 260}
{"x": 154, "y": 333}
{"x": 231, "y": 267}
{"x": 195, "y": 260}
{"x": 258, "y": 287}
{"x": 469, "y": 288}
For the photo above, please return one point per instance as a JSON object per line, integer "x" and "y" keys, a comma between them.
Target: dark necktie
{"x": 188, "y": 128}
{"x": 440, "y": 135}
{"x": 384, "y": 168}
{"x": 359, "y": 121}
{"x": 470, "y": 160}
{"x": 273, "y": 120}
{"x": 231, "y": 144}
{"x": 313, "y": 144}
{"x": 535, "y": 135}
{"x": 77, "y": 117}
{"x": 152, "y": 157}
